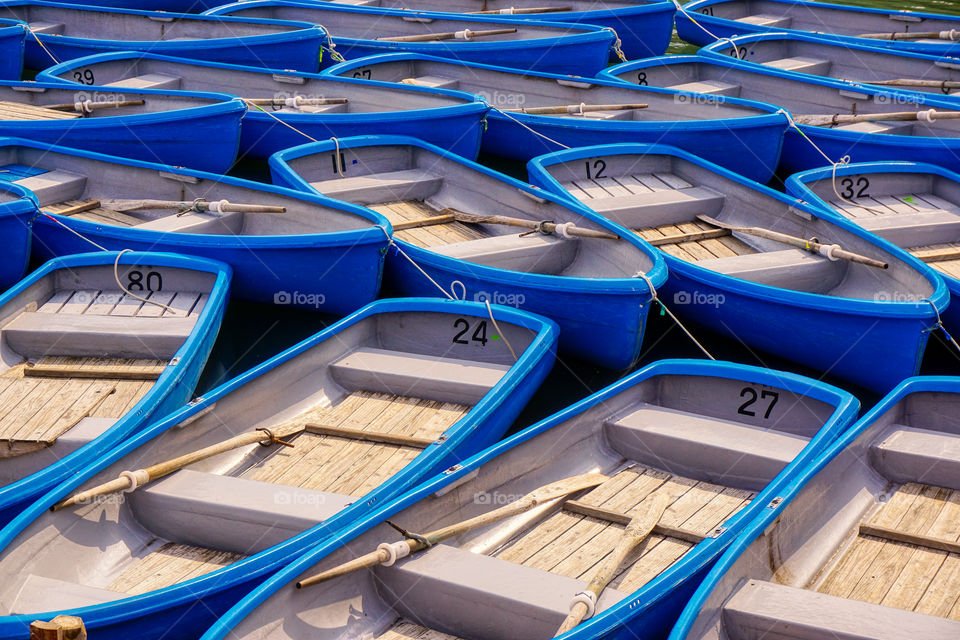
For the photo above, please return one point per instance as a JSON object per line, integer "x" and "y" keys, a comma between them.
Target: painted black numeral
{"x": 751, "y": 395}
{"x": 363, "y": 73}
{"x": 84, "y": 76}
{"x": 342, "y": 167}
{"x": 479, "y": 333}
{"x": 858, "y": 188}
{"x": 137, "y": 281}
{"x": 596, "y": 169}
{"x": 642, "y": 78}
{"x": 707, "y": 11}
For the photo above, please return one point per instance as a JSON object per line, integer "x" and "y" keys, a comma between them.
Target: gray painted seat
{"x": 713, "y": 87}
{"x": 659, "y": 207}
{"x": 437, "y": 82}
{"x": 802, "y": 64}
{"x": 391, "y": 186}
{"x": 35, "y": 334}
{"x": 914, "y": 229}
{"x": 929, "y": 457}
{"x": 191, "y": 507}
{"x": 149, "y": 81}
{"x": 535, "y": 253}
{"x": 766, "y": 611}
{"x": 480, "y": 596}
{"x": 792, "y": 268}
{"x": 421, "y": 376}
{"x": 768, "y": 20}
{"x": 206, "y": 223}
{"x": 687, "y": 444}
{"x": 52, "y": 187}
{"x": 40, "y": 593}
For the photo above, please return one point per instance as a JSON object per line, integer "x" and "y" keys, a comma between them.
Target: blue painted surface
{"x": 748, "y": 145}
{"x": 343, "y": 266}
{"x": 16, "y": 231}
{"x": 727, "y": 28}
{"x": 601, "y": 320}
{"x": 850, "y": 338}
{"x": 861, "y": 432}
{"x": 299, "y": 48}
{"x": 12, "y": 38}
{"x": 174, "y": 386}
{"x": 191, "y": 606}
{"x": 798, "y": 154}
{"x": 204, "y": 137}
{"x": 649, "y": 611}
{"x": 796, "y": 186}
{"x": 583, "y": 51}
{"x": 457, "y": 127}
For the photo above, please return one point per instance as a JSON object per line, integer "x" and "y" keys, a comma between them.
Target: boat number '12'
{"x": 138, "y": 281}
{"x": 751, "y": 396}
{"x": 479, "y": 333}
{"x": 595, "y": 169}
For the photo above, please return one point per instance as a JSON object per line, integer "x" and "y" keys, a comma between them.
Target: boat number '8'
{"x": 598, "y": 167}
{"x": 136, "y": 281}
{"x": 84, "y": 76}
{"x": 751, "y": 395}
{"x": 848, "y": 187}
{"x": 479, "y": 334}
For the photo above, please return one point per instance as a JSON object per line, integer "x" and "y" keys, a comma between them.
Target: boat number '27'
{"x": 751, "y": 396}
{"x": 479, "y": 333}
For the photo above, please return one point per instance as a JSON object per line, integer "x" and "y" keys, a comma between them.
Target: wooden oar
{"x": 942, "y": 255}
{"x": 512, "y": 11}
{"x": 131, "y": 480}
{"x": 912, "y": 82}
{"x": 953, "y": 34}
{"x": 812, "y": 245}
{"x": 295, "y": 101}
{"x": 839, "y": 118}
{"x": 640, "y": 527}
{"x": 466, "y": 34}
{"x": 199, "y": 206}
{"x": 430, "y": 221}
{"x": 546, "y": 227}
{"x": 576, "y": 108}
{"x": 90, "y": 105}
{"x": 77, "y": 208}
{"x": 543, "y": 495}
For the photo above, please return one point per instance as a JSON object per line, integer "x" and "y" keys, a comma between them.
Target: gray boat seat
{"x": 691, "y": 445}
{"x": 437, "y": 82}
{"x": 392, "y": 186}
{"x": 206, "y": 223}
{"x": 191, "y": 507}
{"x": 317, "y": 108}
{"x": 535, "y": 253}
{"x": 52, "y": 187}
{"x": 908, "y": 454}
{"x": 34, "y": 335}
{"x": 479, "y": 596}
{"x": 410, "y": 374}
{"x": 801, "y": 64}
{"x": 768, "y": 611}
{"x": 47, "y": 28}
{"x": 618, "y": 114}
{"x": 893, "y": 128}
{"x": 39, "y": 593}
{"x": 713, "y": 87}
{"x": 653, "y": 209}
{"x": 914, "y": 229}
{"x": 794, "y": 269}
{"x": 767, "y": 20}
{"x": 149, "y": 81}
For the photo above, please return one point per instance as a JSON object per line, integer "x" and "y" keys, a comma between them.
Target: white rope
{"x": 116, "y": 276}
{"x": 286, "y": 124}
{"x": 414, "y": 263}
{"x": 533, "y": 131}
{"x": 75, "y": 232}
{"x": 655, "y": 298}
{"x": 42, "y": 46}
{"x": 617, "y": 43}
{"x": 690, "y": 17}
{"x": 942, "y": 328}
{"x": 463, "y": 290}
{"x": 499, "y": 332}
{"x": 338, "y": 161}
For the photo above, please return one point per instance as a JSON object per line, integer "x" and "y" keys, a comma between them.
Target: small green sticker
{"x": 494, "y": 337}
{"x": 908, "y": 199}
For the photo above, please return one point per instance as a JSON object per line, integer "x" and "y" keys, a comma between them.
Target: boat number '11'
{"x": 479, "y": 333}
{"x": 751, "y": 396}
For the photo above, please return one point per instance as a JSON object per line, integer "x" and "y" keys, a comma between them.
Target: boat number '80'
{"x": 137, "y": 281}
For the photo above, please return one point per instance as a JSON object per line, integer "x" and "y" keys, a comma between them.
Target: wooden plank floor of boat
{"x": 430, "y": 236}
{"x": 574, "y": 545}
{"x": 915, "y": 577}
{"x": 168, "y": 565}
{"x": 21, "y": 111}
{"x": 404, "y": 630}
{"x": 100, "y": 215}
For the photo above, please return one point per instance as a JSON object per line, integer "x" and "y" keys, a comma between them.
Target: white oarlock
{"x": 927, "y": 116}
{"x": 83, "y": 106}
{"x": 830, "y": 251}
{"x": 466, "y": 34}
{"x": 950, "y": 35}
{"x": 589, "y": 599}
{"x": 395, "y": 551}
{"x": 136, "y": 478}
{"x": 563, "y": 230}
{"x": 218, "y": 206}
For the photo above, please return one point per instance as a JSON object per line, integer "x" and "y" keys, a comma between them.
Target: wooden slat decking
{"x": 404, "y": 630}
{"x": 635, "y": 184}
{"x": 724, "y": 247}
{"x": 948, "y": 267}
{"x": 433, "y": 235}
{"x": 114, "y": 303}
{"x": 354, "y": 467}
{"x": 100, "y": 215}
{"x": 900, "y": 575}
{"x": 170, "y": 564}
{"x": 21, "y": 111}
{"x": 574, "y": 545}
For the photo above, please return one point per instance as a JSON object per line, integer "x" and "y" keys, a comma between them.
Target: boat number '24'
{"x": 751, "y": 396}
{"x": 479, "y": 334}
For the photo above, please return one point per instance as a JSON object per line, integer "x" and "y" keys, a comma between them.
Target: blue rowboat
{"x": 175, "y": 6}
{"x": 100, "y": 361}
{"x": 643, "y": 26}
{"x": 373, "y": 405}
{"x": 285, "y": 247}
{"x": 729, "y": 18}
{"x": 12, "y": 36}
{"x": 450, "y": 119}
{"x": 674, "y": 433}
{"x": 63, "y": 32}
{"x": 818, "y": 56}
{"x": 198, "y": 130}
{"x": 861, "y": 543}
{"x": 914, "y": 205}
{"x": 16, "y": 222}
{"x": 866, "y": 324}
{"x": 741, "y": 135}
{"x": 599, "y": 290}
{"x": 807, "y": 97}
{"x": 520, "y": 44}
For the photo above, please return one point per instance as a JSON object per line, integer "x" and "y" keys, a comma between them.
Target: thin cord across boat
{"x": 616, "y": 46}
{"x": 249, "y": 103}
{"x": 525, "y": 126}
{"x": 338, "y": 159}
{"x": 939, "y": 325}
{"x": 42, "y": 46}
{"x": 403, "y": 253}
{"x": 655, "y": 298}
{"x": 681, "y": 9}
{"x": 116, "y": 276}
{"x": 500, "y": 331}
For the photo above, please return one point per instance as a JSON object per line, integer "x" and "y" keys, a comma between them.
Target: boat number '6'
{"x": 751, "y": 395}
{"x": 137, "y": 281}
{"x": 479, "y": 334}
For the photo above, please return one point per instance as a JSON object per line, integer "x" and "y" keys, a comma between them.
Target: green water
{"x": 952, "y": 7}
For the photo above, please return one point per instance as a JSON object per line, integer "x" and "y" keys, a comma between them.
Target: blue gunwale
{"x": 693, "y": 563}
{"x": 521, "y": 380}
{"x": 17, "y": 215}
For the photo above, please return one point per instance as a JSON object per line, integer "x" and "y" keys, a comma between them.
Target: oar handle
{"x": 86, "y": 106}
{"x": 465, "y": 34}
